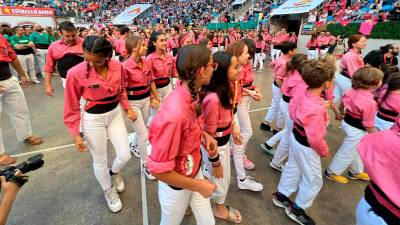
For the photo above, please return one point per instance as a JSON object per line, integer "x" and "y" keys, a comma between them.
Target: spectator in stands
{"x": 386, "y": 55}
{"x": 395, "y": 13}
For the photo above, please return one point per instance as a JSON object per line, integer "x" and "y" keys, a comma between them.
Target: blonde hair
{"x": 329, "y": 60}
{"x": 132, "y": 42}
{"x": 366, "y": 77}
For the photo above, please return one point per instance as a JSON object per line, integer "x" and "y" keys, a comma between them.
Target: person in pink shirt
{"x": 162, "y": 66}
{"x": 388, "y": 103}
{"x": 244, "y": 90}
{"x": 381, "y": 202}
{"x": 142, "y": 93}
{"x": 323, "y": 43}
{"x": 302, "y": 172}
{"x": 184, "y": 40}
{"x": 172, "y": 43}
{"x": 276, "y": 46}
{"x": 217, "y": 107}
{"x": 63, "y": 54}
{"x": 292, "y": 81}
{"x": 260, "y": 49}
{"x": 279, "y": 73}
{"x": 359, "y": 109}
{"x": 292, "y": 37}
{"x": 176, "y": 135}
{"x": 120, "y": 44}
{"x": 331, "y": 38}
{"x": 100, "y": 81}
{"x": 350, "y": 63}
{"x": 221, "y": 39}
{"x": 312, "y": 46}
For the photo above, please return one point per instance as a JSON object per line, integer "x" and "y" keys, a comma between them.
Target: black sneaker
{"x": 265, "y": 127}
{"x": 281, "y": 200}
{"x": 299, "y": 216}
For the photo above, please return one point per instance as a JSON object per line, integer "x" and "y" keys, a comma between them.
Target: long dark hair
{"x": 387, "y": 71}
{"x": 393, "y": 84}
{"x": 189, "y": 60}
{"x": 251, "y": 46}
{"x": 219, "y": 82}
{"x": 153, "y": 38}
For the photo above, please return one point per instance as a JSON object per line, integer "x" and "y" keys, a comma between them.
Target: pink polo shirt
{"x": 162, "y": 67}
{"x": 136, "y": 76}
{"x": 246, "y": 74}
{"x": 172, "y": 43}
{"x": 291, "y": 83}
{"x": 120, "y": 47}
{"x": 283, "y": 38}
{"x": 312, "y": 43}
{"x": 261, "y": 45}
{"x": 308, "y": 111}
{"x": 91, "y": 87}
{"x": 59, "y": 49}
{"x": 361, "y": 103}
{"x": 175, "y": 135}
{"x": 279, "y": 67}
{"x": 322, "y": 40}
{"x": 351, "y": 61}
{"x": 214, "y": 114}
{"x": 392, "y": 100}
{"x": 380, "y": 154}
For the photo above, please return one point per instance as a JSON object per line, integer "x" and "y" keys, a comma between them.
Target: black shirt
{"x": 376, "y": 59}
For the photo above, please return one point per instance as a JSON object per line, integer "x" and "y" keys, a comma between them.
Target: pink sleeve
{"x": 123, "y": 98}
{"x": 210, "y": 108}
{"x": 50, "y": 62}
{"x": 72, "y": 111}
{"x": 368, "y": 115}
{"x": 165, "y": 138}
{"x": 174, "y": 71}
{"x": 281, "y": 71}
{"x": 315, "y": 129}
{"x": 352, "y": 65}
{"x": 329, "y": 94}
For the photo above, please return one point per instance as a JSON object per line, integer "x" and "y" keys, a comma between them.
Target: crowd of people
{"x": 359, "y": 11}
{"x": 187, "y": 92}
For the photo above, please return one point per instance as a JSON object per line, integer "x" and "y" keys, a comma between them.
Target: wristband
{"x": 215, "y": 159}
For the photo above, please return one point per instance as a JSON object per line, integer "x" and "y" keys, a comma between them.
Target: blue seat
{"x": 387, "y": 8}
{"x": 365, "y": 9}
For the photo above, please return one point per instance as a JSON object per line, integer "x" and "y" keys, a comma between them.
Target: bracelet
{"x": 215, "y": 159}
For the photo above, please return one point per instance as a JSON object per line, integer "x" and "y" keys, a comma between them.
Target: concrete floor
{"x": 65, "y": 190}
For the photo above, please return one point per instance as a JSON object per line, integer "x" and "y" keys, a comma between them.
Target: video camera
{"x": 31, "y": 164}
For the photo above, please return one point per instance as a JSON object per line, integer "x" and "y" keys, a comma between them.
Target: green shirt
{"x": 43, "y": 38}
{"x": 14, "y": 40}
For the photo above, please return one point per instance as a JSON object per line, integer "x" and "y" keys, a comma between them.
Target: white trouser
{"x": 273, "y": 141}
{"x": 275, "y": 53}
{"x": 214, "y": 50}
{"x": 244, "y": 122}
{"x": 323, "y": 51}
{"x": 366, "y": 216}
{"x": 382, "y": 124}
{"x": 220, "y": 193}
{"x": 162, "y": 93}
{"x": 12, "y": 100}
{"x": 175, "y": 202}
{"x": 42, "y": 59}
{"x": 274, "y": 108}
{"x": 141, "y": 107}
{"x": 347, "y": 155}
{"x": 96, "y": 128}
{"x": 258, "y": 61}
{"x": 282, "y": 150}
{"x": 302, "y": 172}
{"x": 312, "y": 54}
{"x": 28, "y": 64}
{"x": 342, "y": 84}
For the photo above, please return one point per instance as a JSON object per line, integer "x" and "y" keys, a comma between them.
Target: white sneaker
{"x": 113, "y": 201}
{"x": 273, "y": 166}
{"x": 35, "y": 81}
{"x": 133, "y": 144}
{"x": 250, "y": 184}
{"x": 147, "y": 173}
{"x": 118, "y": 182}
